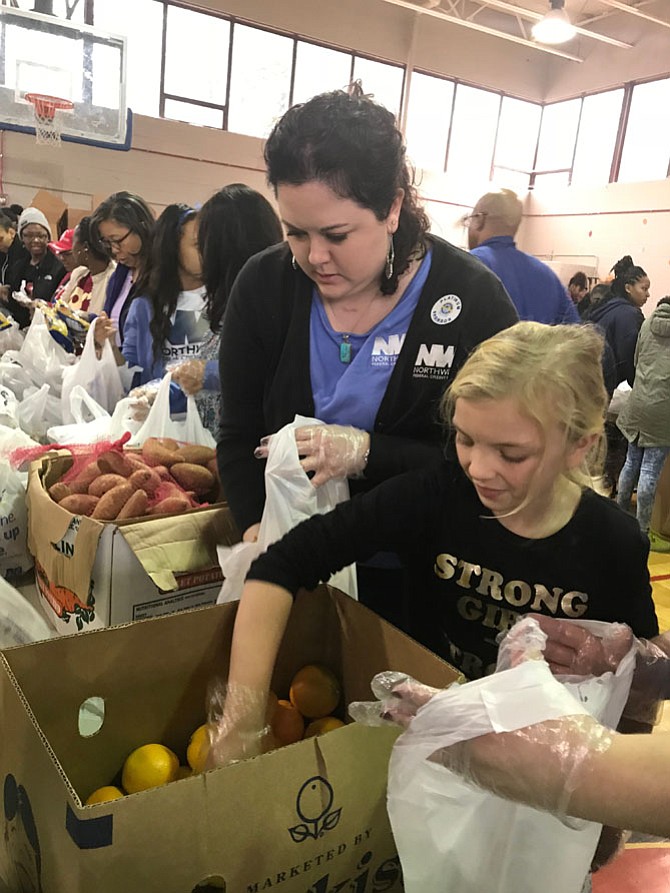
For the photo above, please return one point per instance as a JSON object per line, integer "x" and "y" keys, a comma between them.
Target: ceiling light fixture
{"x": 555, "y": 27}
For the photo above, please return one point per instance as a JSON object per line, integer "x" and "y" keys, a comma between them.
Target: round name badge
{"x": 446, "y": 309}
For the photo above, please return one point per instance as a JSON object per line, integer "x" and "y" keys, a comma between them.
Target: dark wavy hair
{"x": 625, "y": 273}
{"x": 164, "y": 279}
{"x": 580, "y": 280}
{"x": 134, "y": 213}
{"x": 235, "y": 223}
{"x": 83, "y": 229}
{"x": 353, "y": 145}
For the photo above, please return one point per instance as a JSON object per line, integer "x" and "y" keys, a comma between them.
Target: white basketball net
{"x": 47, "y": 125}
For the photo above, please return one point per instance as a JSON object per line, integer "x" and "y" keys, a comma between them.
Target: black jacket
{"x": 620, "y": 322}
{"x": 44, "y": 277}
{"x": 265, "y": 366}
{"x": 17, "y": 252}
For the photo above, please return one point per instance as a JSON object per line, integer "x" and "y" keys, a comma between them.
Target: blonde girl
{"x": 511, "y": 526}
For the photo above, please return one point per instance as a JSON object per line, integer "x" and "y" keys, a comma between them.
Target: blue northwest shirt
{"x": 534, "y": 288}
{"x": 350, "y": 393}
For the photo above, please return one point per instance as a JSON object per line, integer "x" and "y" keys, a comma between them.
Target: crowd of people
{"x": 390, "y": 336}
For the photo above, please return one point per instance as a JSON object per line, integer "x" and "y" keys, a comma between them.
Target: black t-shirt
{"x": 471, "y": 578}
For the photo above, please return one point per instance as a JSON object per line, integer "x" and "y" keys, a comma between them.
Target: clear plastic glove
{"x": 238, "y": 724}
{"x": 571, "y": 650}
{"x": 399, "y": 699}
{"x": 188, "y": 374}
{"x": 142, "y": 399}
{"x": 105, "y": 329}
{"x": 327, "y": 451}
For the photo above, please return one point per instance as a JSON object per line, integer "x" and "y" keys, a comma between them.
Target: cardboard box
{"x": 308, "y": 818}
{"x": 91, "y": 574}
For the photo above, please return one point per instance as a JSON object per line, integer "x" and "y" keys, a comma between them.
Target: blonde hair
{"x": 555, "y": 374}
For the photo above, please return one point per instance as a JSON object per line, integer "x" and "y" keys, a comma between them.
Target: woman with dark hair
{"x": 360, "y": 320}
{"x": 617, "y": 314}
{"x": 123, "y": 226}
{"x": 619, "y": 317}
{"x": 234, "y": 224}
{"x": 168, "y": 322}
{"x": 87, "y": 288}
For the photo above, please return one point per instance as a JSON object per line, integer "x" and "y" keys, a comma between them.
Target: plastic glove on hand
{"x": 399, "y": 699}
{"x": 188, "y": 374}
{"x": 327, "y": 451}
{"x": 238, "y": 725}
{"x": 105, "y": 330}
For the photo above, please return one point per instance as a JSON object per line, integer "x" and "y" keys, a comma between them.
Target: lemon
{"x": 149, "y": 766}
{"x": 104, "y": 795}
{"x": 323, "y": 725}
{"x": 198, "y": 748}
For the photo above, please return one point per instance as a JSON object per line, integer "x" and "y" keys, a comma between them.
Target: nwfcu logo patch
{"x": 385, "y": 350}
{"x": 433, "y": 361}
{"x": 313, "y": 804}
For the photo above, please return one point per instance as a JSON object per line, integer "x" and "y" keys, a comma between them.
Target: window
{"x": 141, "y": 22}
{"x": 428, "y": 117}
{"x": 557, "y": 135}
{"x": 597, "y": 135}
{"x": 646, "y": 149}
{"x": 516, "y": 143}
{"x": 318, "y": 70}
{"x": 260, "y": 80}
{"x": 193, "y": 35}
{"x": 382, "y": 80}
{"x": 193, "y": 114}
{"x": 473, "y": 135}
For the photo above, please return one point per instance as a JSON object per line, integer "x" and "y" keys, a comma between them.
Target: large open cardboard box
{"x": 308, "y": 817}
{"x": 90, "y": 574}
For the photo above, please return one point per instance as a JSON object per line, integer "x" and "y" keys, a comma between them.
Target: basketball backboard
{"x": 42, "y": 54}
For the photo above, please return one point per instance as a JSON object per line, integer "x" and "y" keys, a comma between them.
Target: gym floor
{"x": 644, "y": 866}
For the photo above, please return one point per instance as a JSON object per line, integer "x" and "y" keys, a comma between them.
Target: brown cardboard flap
{"x": 180, "y": 543}
{"x": 63, "y": 543}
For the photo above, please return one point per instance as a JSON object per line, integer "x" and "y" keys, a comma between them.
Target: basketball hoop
{"x": 47, "y": 129}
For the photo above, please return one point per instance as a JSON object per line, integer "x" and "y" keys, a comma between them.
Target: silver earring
{"x": 390, "y": 258}
{"x": 294, "y": 262}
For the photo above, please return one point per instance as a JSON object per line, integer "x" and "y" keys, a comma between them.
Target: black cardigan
{"x": 265, "y": 366}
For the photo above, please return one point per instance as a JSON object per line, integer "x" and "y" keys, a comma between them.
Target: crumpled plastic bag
{"x": 290, "y": 498}
{"x": 20, "y": 622}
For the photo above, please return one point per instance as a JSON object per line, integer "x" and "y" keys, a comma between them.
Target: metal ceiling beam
{"x": 474, "y": 26}
{"x": 634, "y": 11}
{"x": 536, "y": 16}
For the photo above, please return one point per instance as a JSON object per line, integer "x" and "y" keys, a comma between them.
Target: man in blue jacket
{"x": 535, "y": 289}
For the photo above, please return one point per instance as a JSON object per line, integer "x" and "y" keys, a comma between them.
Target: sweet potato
{"x": 145, "y": 479}
{"x": 136, "y": 506}
{"x": 104, "y": 483}
{"x": 112, "y": 502}
{"x": 213, "y": 466}
{"x": 79, "y": 503}
{"x": 193, "y": 477}
{"x": 163, "y": 472}
{"x": 198, "y": 455}
{"x": 171, "y": 506}
{"x": 86, "y": 476}
{"x": 113, "y": 462}
{"x": 161, "y": 451}
{"x": 59, "y": 491}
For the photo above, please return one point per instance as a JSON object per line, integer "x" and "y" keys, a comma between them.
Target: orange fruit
{"x": 323, "y": 725}
{"x": 315, "y": 691}
{"x": 184, "y": 772}
{"x": 149, "y": 766}
{"x": 288, "y": 726}
{"x": 104, "y": 795}
{"x": 198, "y": 748}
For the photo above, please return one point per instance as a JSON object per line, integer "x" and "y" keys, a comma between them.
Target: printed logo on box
{"x": 63, "y": 601}
{"x": 313, "y": 804}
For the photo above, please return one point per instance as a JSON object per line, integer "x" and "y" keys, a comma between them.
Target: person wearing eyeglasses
{"x": 535, "y": 289}
{"x": 37, "y": 273}
{"x": 123, "y": 226}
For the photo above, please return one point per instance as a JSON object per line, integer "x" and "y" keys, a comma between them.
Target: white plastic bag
{"x": 98, "y": 375}
{"x": 289, "y": 499}
{"x": 20, "y": 622}
{"x": 32, "y": 411}
{"x": 91, "y": 422}
{"x": 454, "y": 836}
{"x": 159, "y": 423}
{"x": 8, "y": 408}
{"x": 15, "y": 559}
